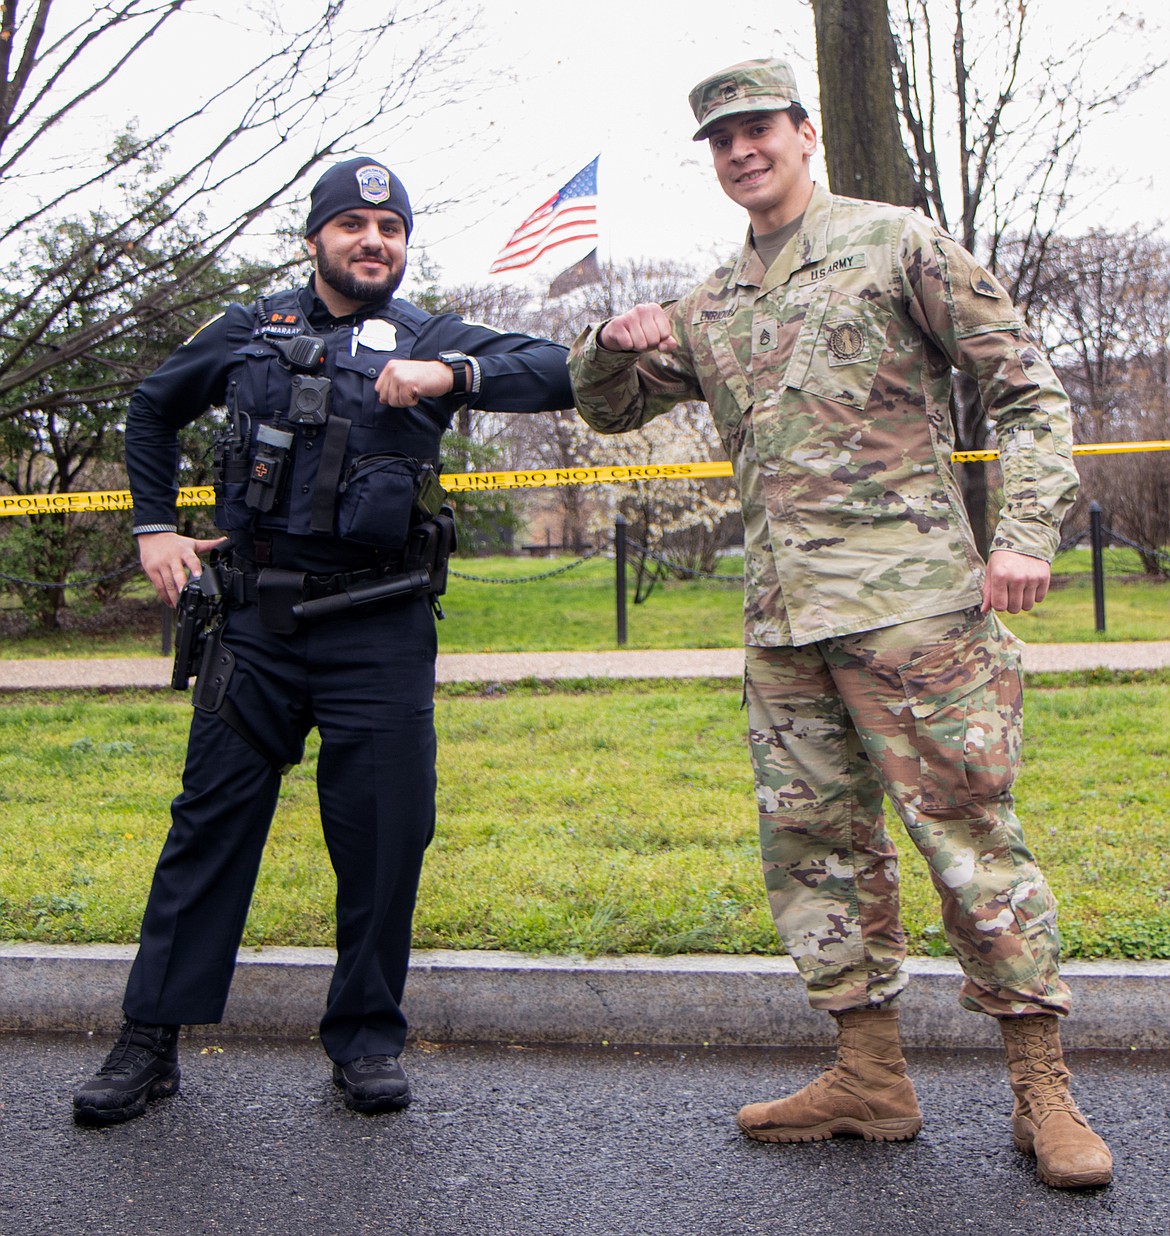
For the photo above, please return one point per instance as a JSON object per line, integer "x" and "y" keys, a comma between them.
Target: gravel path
{"x": 113, "y": 672}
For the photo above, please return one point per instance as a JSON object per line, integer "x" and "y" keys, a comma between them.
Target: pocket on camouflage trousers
{"x": 966, "y": 698}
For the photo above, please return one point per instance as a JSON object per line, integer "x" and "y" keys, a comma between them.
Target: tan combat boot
{"x": 1046, "y": 1122}
{"x": 866, "y": 1092}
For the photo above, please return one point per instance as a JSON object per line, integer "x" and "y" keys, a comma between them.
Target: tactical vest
{"x": 348, "y": 471}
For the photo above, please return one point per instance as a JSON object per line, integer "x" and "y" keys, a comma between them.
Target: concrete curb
{"x": 509, "y": 997}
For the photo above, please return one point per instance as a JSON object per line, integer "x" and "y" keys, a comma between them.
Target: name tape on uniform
{"x": 484, "y": 482}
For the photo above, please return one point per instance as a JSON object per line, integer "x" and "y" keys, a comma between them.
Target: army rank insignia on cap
{"x": 373, "y": 183}
{"x": 984, "y": 284}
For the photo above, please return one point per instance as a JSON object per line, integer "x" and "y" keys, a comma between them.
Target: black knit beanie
{"x": 357, "y": 184}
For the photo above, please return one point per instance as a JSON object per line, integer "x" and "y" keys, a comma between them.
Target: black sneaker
{"x": 373, "y": 1084}
{"x": 143, "y": 1064}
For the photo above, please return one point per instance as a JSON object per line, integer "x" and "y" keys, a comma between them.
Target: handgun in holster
{"x": 200, "y": 610}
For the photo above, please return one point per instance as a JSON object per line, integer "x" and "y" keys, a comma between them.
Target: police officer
{"x": 337, "y": 396}
{"x": 874, "y": 662}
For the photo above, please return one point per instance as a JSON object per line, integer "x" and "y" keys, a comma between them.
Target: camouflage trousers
{"x": 929, "y": 713}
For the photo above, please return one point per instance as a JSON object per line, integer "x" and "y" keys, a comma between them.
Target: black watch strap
{"x": 460, "y": 366}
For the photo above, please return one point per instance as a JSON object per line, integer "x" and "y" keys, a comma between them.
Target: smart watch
{"x": 462, "y": 367}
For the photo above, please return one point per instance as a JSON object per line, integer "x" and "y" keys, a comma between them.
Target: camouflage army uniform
{"x": 869, "y": 666}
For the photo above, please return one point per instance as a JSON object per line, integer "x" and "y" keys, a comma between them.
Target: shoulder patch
{"x": 191, "y": 338}
{"x": 985, "y": 285}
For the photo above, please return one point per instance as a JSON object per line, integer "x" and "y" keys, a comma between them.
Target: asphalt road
{"x": 515, "y": 1141}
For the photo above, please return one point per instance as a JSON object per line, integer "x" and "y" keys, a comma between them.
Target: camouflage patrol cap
{"x": 752, "y": 86}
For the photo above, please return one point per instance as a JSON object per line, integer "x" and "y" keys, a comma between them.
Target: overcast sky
{"x": 547, "y": 89}
{"x": 617, "y": 82}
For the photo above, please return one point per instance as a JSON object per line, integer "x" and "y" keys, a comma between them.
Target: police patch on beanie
{"x": 360, "y": 183}
{"x": 373, "y": 183}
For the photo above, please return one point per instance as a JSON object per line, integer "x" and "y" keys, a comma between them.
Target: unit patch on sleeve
{"x": 985, "y": 285}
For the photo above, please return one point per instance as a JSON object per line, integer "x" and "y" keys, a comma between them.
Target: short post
{"x": 168, "y": 625}
{"x": 1096, "y": 538}
{"x": 619, "y": 557}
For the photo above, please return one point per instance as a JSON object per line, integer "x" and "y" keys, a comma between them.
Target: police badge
{"x": 373, "y": 183}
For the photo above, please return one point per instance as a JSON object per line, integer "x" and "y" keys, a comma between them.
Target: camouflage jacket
{"x": 828, "y": 377}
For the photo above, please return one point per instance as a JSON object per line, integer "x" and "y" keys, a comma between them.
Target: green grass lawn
{"x": 595, "y": 818}
{"x": 576, "y": 609}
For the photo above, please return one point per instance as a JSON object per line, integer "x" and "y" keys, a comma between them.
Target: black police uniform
{"x": 364, "y": 678}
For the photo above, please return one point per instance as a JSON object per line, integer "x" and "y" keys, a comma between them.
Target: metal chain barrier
{"x": 69, "y": 583}
{"x": 1142, "y": 549}
{"x": 529, "y": 579}
{"x": 1074, "y": 541}
{"x": 677, "y": 567}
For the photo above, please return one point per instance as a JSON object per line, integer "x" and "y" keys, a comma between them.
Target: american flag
{"x": 569, "y": 215}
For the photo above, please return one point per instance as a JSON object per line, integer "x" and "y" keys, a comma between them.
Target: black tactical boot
{"x": 143, "y": 1064}
{"x": 373, "y": 1084}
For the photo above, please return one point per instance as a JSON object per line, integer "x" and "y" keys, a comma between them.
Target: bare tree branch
{"x": 301, "y": 95}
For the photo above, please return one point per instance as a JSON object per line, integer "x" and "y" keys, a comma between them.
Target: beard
{"x": 343, "y": 281}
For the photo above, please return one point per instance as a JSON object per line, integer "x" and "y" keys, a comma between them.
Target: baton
{"x": 364, "y": 594}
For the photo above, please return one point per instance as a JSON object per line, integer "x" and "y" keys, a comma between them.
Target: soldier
{"x": 875, "y": 663}
{"x": 337, "y": 394}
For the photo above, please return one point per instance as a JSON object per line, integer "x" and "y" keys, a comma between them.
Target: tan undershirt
{"x": 769, "y": 244}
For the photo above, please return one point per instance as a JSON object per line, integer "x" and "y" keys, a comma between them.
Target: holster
{"x": 199, "y": 611}
{"x": 430, "y": 545}
{"x": 216, "y": 667}
{"x": 215, "y": 670}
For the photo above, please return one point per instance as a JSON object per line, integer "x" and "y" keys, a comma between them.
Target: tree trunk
{"x": 862, "y": 137}
{"x": 866, "y": 158}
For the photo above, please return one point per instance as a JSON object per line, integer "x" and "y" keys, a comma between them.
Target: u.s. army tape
{"x": 484, "y": 482}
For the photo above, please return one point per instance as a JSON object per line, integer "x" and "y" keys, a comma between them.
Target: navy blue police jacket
{"x": 233, "y": 362}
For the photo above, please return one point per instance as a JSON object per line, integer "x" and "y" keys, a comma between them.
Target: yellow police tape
{"x": 483, "y": 482}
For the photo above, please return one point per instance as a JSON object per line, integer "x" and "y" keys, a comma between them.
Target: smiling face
{"x": 360, "y": 257}
{"x": 761, "y": 159}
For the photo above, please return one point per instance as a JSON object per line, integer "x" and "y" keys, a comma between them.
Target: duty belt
{"x": 286, "y": 598}
{"x": 241, "y": 585}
